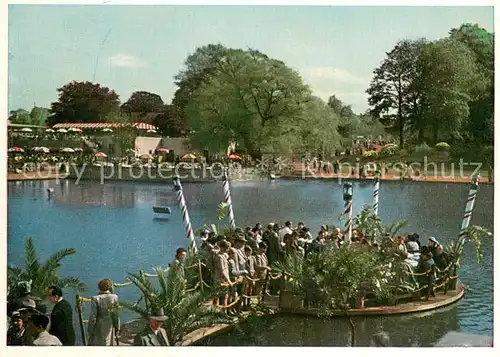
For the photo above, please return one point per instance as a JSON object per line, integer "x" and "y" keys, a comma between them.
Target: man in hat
{"x": 16, "y": 331}
{"x": 433, "y": 244}
{"x": 22, "y": 292}
{"x": 207, "y": 253}
{"x": 205, "y": 234}
{"x": 153, "y": 334}
{"x": 25, "y": 312}
{"x": 38, "y": 330}
{"x": 177, "y": 264}
{"x": 239, "y": 245}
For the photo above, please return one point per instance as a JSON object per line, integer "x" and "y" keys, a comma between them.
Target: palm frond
{"x": 71, "y": 282}
{"x": 147, "y": 288}
{"x": 142, "y": 312}
{"x": 222, "y": 211}
{"x": 31, "y": 263}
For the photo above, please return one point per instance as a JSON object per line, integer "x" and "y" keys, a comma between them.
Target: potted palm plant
{"x": 187, "y": 310}
{"x": 292, "y": 270}
{"x": 455, "y": 248}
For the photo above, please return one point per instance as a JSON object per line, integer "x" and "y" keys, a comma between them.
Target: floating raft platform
{"x": 440, "y": 300}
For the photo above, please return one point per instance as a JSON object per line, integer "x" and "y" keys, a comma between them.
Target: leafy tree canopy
{"x": 37, "y": 116}
{"x": 171, "y": 122}
{"x": 143, "y": 102}
{"x": 83, "y": 102}
{"x": 249, "y": 97}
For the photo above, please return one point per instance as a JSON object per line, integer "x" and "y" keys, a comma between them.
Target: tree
{"x": 249, "y": 97}
{"x": 123, "y": 137}
{"x": 481, "y": 43}
{"x": 346, "y": 112}
{"x": 20, "y": 116}
{"x": 187, "y": 311}
{"x": 336, "y": 104}
{"x": 39, "y": 115}
{"x": 199, "y": 66}
{"x": 143, "y": 102}
{"x": 83, "y": 102}
{"x": 391, "y": 95}
{"x": 41, "y": 275}
{"x": 171, "y": 122}
{"x": 317, "y": 133}
{"x": 450, "y": 80}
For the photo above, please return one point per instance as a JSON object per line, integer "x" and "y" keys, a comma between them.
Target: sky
{"x": 141, "y": 48}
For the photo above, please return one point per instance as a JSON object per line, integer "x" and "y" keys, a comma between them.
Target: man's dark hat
{"x": 157, "y": 314}
{"x": 240, "y": 238}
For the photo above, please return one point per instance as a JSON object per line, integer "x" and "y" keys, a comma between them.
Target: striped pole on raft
{"x": 185, "y": 216}
{"x": 469, "y": 206}
{"x": 376, "y": 189}
{"x": 348, "y": 225}
{"x": 228, "y": 200}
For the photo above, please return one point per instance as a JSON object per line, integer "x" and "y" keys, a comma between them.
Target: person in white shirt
{"x": 287, "y": 229}
{"x": 38, "y": 330}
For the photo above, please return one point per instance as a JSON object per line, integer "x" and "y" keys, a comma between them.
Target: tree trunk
{"x": 353, "y": 328}
{"x": 401, "y": 130}
{"x": 434, "y": 134}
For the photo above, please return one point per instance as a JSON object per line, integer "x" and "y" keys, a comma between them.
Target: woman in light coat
{"x": 103, "y": 317}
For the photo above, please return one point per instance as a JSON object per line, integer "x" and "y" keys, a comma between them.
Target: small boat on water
{"x": 161, "y": 212}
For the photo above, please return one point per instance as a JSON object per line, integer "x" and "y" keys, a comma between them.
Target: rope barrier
{"x": 121, "y": 285}
{"x": 150, "y": 275}
{"x": 274, "y": 277}
{"x": 232, "y": 283}
{"x": 231, "y": 304}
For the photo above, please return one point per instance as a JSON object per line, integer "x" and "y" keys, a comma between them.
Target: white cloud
{"x": 348, "y": 87}
{"x": 124, "y": 60}
{"x": 331, "y": 73}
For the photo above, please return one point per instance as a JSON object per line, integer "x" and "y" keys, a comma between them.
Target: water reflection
{"x": 413, "y": 330}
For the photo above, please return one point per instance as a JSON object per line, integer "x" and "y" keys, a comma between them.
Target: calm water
{"x": 112, "y": 228}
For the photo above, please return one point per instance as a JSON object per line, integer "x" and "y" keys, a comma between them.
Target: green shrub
{"x": 389, "y": 150}
{"x": 370, "y": 153}
{"x": 422, "y": 149}
{"x": 442, "y": 146}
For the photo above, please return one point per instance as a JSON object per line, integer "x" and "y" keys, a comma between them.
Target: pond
{"x": 112, "y": 228}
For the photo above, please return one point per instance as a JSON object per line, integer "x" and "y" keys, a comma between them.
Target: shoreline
{"x": 11, "y": 177}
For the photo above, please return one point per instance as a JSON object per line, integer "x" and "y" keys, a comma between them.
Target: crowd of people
{"x": 253, "y": 251}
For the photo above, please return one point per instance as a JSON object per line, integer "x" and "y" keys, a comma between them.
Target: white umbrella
{"x": 107, "y": 130}
{"x": 67, "y": 150}
{"x": 26, "y": 130}
{"x": 151, "y": 131}
{"x": 41, "y": 149}
{"x": 62, "y": 131}
{"x": 49, "y": 130}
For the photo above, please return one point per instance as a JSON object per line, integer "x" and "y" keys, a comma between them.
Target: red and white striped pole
{"x": 469, "y": 206}
{"x": 376, "y": 189}
{"x": 348, "y": 211}
{"x": 228, "y": 200}
{"x": 185, "y": 216}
